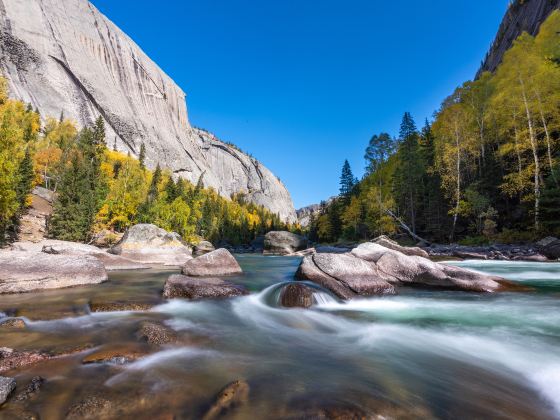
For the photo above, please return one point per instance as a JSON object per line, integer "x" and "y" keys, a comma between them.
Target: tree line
{"x": 485, "y": 169}
{"x": 99, "y": 188}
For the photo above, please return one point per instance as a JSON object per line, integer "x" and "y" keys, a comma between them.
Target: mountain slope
{"x": 522, "y": 15}
{"x": 65, "y": 56}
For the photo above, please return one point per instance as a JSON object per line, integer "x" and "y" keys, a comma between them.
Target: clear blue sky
{"x": 304, "y": 84}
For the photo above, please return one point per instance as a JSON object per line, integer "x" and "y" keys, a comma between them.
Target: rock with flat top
{"x": 215, "y": 263}
{"x": 7, "y": 386}
{"x": 149, "y": 244}
{"x": 30, "y": 271}
{"x": 283, "y": 243}
{"x": 179, "y": 286}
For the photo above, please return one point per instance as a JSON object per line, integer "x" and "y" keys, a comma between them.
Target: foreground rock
{"x": 178, "y": 286}
{"x": 388, "y": 243}
{"x": 7, "y": 386}
{"x": 372, "y": 269}
{"x": 215, "y": 263}
{"x": 148, "y": 244}
{"x": 549, "y": 247}
{"x": 296, "y": 295}
{"x": 203, "y": 247}
{"x": 283, "y": 243}
{"x": 29, "y": 271}
{"x": 233, "y": 395}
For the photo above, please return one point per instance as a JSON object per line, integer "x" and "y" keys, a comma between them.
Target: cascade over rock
{"x": 65, "y": 56}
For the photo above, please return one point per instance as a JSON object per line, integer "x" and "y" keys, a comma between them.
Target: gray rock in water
{"x": 7, "y": 386}
{"x": 64, "y": 55}
{"x": 215, "y": 263}
{"x": 388, "y": 243}
{"x": 29, "y": 271}
{"x": 283, "y": 243}
{"x": 179, "y": 286}
{"x": 549, "y": 247}
{"x": 150, "y": 244}
{"x": 203, "y": 247}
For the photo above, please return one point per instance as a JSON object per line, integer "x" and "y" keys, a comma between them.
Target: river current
{"x": 421, "y": 354}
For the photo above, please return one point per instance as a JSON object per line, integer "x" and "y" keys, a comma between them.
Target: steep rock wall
{"x": 521, "y": 16}
{"x": 65, "y": 56}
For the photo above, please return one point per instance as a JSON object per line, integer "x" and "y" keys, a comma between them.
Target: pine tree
{"x": 142, "y": 156}
{"x": 25, "y": 178}
{"x": 347, "y": 181}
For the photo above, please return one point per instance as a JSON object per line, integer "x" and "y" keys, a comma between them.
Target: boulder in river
{"x": 7, "y": 386}
{"x": 283, "y": 243}
{"x": 203, "y": 247}
{"x": 155, "y": 333}
{"x": 150, "y": 244}
{"x": 179, "y": 286}
{"x": 30, "y": 271}
{"x": 231, "y": 396}
{"x": 296, "y": 295}
{"x": 549, "y": 247}
{"x": 389, "y": 243}
{"x": 12, "y": 324}
{"x": 215, "y": 263}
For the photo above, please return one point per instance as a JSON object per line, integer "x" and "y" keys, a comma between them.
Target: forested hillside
{"x": 98, "y": 188}
{"x": 485, "y": 169}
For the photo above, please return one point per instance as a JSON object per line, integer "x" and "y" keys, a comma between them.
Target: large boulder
{"x": 203, "y": 247}
{"x": 179, "y": 286}
{"x": 283, "y": 243}
{"x": 29, "y": 271}
{"x": 215, "y": 263}
{"x": 549, "y": 247}
{"x": 150, "y": 244}
{"x": 374, "y": 269}
{"x": 389, "y": 243}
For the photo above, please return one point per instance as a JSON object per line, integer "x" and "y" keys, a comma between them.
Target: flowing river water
{"x": 421, "y": 354}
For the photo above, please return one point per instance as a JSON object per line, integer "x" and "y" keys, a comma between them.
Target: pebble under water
{"x": 421, "y": 354}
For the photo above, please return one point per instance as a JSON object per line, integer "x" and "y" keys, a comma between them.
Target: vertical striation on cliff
{"x": 521, "y": 16}
{"x": 65, "y": 56}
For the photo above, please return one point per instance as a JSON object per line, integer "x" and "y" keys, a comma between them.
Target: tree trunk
{"x": 458, "y": 191}
{"x": 548, "y": 141}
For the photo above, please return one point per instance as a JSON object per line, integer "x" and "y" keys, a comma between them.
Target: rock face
{"x": 522, "y": 15}
{"x": 178, "y": 286}
{"x": 283, "y": 243}
{"x": 149, "y": 244}
{"x": 64, "y": 55}
{"x": 549, "y": 247}
{"x": 28, "y": 271}
{"x": 7, "y": 386}
{"x": 372, "y": 269}
{"x": 215, "y": 263}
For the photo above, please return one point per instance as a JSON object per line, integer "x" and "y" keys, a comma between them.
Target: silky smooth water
{"x": 421, "y": 354}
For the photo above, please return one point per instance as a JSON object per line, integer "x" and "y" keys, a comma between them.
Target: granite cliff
{"x": 65, "y": 56}
{"x": 521, "y": 16}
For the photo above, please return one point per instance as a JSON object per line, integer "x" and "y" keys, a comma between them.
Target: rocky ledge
{"x": 373, "y": 269}
{"x": 29, "y": 271}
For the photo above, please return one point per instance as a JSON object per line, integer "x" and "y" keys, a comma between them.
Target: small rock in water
{"x": 178, "y": 286}
{"x": 32, "y": 389}
{"x": 117, "y": 354}
{"x": 231, "y": 396}
{"x": 203, "y": 247}
{"x": 7, "y": 386}
{"x": 119, "y": 306}
{"x": 12, "y": 324}
{"x": 296, "y": 295}
{"x": 157, "y": 334}
{"x": 215, "y": 263}
{"x": 12, "y": 359}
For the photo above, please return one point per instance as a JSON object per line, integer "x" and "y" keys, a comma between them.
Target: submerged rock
{"x": 388, "y": 243}
{"x": 230, "y": 397}
{"x": 283, "y": 243}
{"x": 31, "y": 390}
{"x": 7, "y": 386}
{"x": 13, "y": 359}
{"x": 179, "y": 286}
{"x": 549, "y": 247}
{"x": 215, "y": 263}
{"x": 119, "y": 306}
{"x": 155, "y": 333}
{"x": 12, "y": 324}
{"x": 149, "y": 244}
{"x": 296, "y": 295}
{"x": 116, "y": 354}
{"x": 203, "y": 247}
{"x": 29, "y": 271}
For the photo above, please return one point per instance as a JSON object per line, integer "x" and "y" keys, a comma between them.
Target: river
{"x": 421, "y": 354}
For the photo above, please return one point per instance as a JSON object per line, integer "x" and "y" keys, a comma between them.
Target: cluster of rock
{"x": 374, "y": 269}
